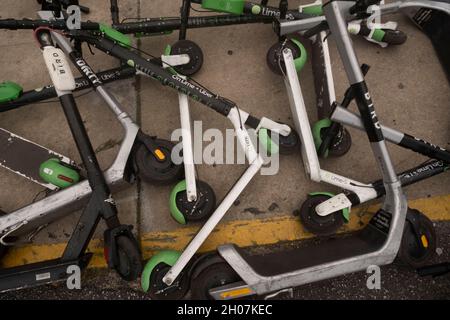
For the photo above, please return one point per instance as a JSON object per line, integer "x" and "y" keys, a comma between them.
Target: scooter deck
{"x": 32, "y": 275}
{"x": 24, "y": 157}
{"x": 282, "y": 262}
{"x": 436, "y": 25}
{"x": 368, "y": 240}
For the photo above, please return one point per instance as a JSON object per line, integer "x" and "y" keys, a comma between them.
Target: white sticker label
{"x": 43, "y": 276}
{"x": 59, "y": 69}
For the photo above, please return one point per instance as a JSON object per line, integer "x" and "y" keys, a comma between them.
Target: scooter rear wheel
{"x": 160, "y": 291}
{"x": 195, "y": 56}
{"x": 213, "y": 276}
{"x": 197, "y": 210}
{"x": 416, "y": 249}
{"x": 290, "y": 143}
{"x": 155, "y": 171}
{"x": 129, "y": 265}
{"x": 340, "y": 145}
{"x": 274, "y": 56}
{"x": 322, "y": 226}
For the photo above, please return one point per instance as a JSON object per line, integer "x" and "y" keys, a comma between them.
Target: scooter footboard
{"x": 376, "y": 244}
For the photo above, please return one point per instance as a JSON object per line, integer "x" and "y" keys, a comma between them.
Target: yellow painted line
{"x": 241, "y": 232}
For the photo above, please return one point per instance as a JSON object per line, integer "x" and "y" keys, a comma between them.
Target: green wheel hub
{"x": 168, "y": 257}
{"x": 9, "y": 91}
{"x": 174, "y": 211}
{"x": 317, "y": 130}
{"x": 301, "y": 60}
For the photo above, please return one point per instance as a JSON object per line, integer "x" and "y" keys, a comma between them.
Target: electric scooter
{"x": 191, "y": 199}
{"x": 121, "y": 247}
{"x": 323, "y": 213}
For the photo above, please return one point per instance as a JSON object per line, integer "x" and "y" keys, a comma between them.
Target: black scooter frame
{"x": 100, "y": 206}
{"x": 152, "y": 26}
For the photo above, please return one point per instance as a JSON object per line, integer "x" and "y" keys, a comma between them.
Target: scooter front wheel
{"x": 340, "y": 145}
{"x": 418, "y": 242}
{"x": 129, "y": 264}
{"x": 290, "y": 143}
{"x": 158, "y": 171}
{"x": 320, "y": 225}
{"x": 394, "y": 37}
{"x": 154, "y": 272}
{"x": 274, "y": 57}
{"x": 183, "y": 210}
{"x": 215, "y": 275}
{"x": 195, "y": 56}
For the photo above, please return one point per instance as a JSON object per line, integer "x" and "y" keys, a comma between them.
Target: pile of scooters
{"x": 395, "y": 231}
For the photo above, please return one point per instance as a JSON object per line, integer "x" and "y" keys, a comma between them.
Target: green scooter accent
{"x": 314, "y": 10}
{"x": 167, "y": 50}
{"x": 300, "y": 61}
{"x": 9, "y": 91}
{"x": 316, "y": 131}
{"x": 256, "y": 9}
{"x": 228, "y": 6}
{"x": 378, "y": 35}
{"x": 169, "y": 257}
{"x": 176, "y": 214}
{"x": 115, "y": 35}
{"x": 266, "y": 142}
{"x": 345, "y": 212}
{"x": 54, "y": 172}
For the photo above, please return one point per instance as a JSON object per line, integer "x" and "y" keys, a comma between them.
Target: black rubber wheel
{"x": 160, "y": 291}
{"x": 341, "y": 144}
{"x": 152, "y": 170}
{"x": 213, "y": 276}
{"x": 322, "y": 226}
{"x": 200, "y": 209}
{"x": 394, "y": 37}
{"x": 195, "y": 56}
{"x": 274, "y": 56}
{"x": 287, "y": 144}
{"x": 416, "y": 249}
{"x": 290, "y": 143}
{"x": 130, "y": 264}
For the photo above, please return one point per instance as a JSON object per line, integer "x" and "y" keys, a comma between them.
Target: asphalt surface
{"x": 397, "y": 282}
